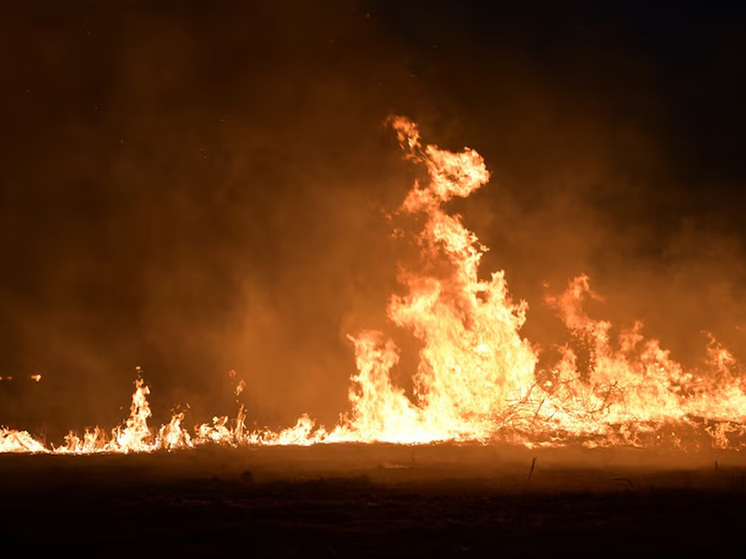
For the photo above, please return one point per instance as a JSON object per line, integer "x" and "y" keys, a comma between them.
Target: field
{"x": 374, "y": 500}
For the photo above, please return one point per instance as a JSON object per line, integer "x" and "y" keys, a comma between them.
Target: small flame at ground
{"x": 478, "y": 378}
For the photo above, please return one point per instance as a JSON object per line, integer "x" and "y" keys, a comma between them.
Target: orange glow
{"x": 477, "y": 377}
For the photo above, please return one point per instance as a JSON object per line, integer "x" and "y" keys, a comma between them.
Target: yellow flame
{"x": 477, "y": 377}
{"x": 19, "y": 441}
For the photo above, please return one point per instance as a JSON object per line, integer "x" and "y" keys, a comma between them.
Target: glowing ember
{"x": 477, "y": 378}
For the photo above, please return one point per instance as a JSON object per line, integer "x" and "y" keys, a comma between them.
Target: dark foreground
{"x": 353, "y": 501}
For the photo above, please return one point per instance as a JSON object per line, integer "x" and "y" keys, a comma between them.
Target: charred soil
{"x": 369, "y": 500}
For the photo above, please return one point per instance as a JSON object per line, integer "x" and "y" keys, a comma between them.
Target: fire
{"x": 18, "y": 441}
{"x": 132, "y": 436}
{"x": 478, "y": 378}
{"x": 473, "y": 360}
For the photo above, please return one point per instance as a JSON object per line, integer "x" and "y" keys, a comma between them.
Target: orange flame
{"x": 477, "y": 377}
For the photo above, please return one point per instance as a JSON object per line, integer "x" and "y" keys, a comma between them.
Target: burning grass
{"x": 478, "y": 379}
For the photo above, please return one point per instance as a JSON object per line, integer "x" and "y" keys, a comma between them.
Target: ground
{"x": 373, "y": 500}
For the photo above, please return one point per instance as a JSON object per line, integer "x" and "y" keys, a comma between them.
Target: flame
{"x": 35, "y": 378}
{"x": 19, "y": 441}
{"x": 477, "y": 378}
{"x": 473, "y": 362}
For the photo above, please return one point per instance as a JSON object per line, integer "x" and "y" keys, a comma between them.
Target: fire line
{"x": 477, "y": 379}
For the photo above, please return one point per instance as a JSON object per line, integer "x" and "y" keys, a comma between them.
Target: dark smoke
{"x": 200, "y": 187}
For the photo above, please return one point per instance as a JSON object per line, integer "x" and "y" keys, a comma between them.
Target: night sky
{"x": 196, "y": 187}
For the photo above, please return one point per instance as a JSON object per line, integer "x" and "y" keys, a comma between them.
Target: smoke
{"x": 199, "y": 189}
{"x": 610, "y": 140}
{"x": 192, "y": 191}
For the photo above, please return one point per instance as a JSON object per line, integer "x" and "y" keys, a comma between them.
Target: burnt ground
{"x": 358, "y": 500}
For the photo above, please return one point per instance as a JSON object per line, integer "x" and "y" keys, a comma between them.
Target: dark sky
{"x": 195, "y": 187}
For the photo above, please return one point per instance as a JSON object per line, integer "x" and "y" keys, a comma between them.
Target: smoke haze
{"x": 195, "y": 189}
